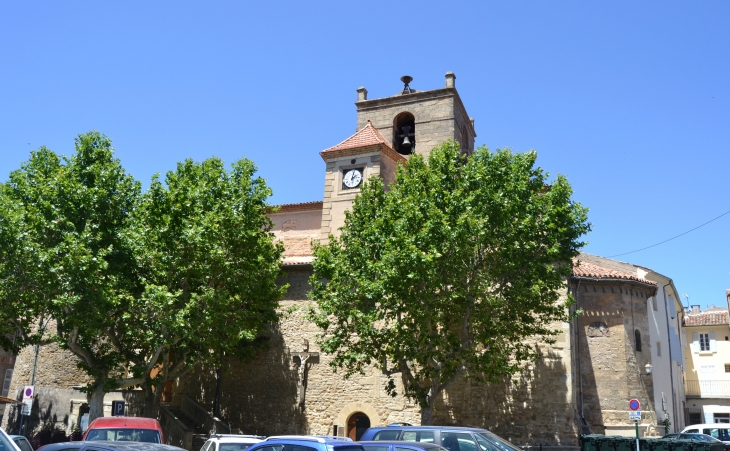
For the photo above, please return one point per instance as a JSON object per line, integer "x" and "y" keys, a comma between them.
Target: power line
{"x": 670, "y": 239}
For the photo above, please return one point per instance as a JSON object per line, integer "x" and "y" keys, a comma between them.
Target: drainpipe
{"x": 669, "y": 342}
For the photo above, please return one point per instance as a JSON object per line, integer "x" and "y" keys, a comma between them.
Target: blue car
{"x": 452, "y": 438}
{"x": 306, "y": 443}
{"x": 380, "y": 445}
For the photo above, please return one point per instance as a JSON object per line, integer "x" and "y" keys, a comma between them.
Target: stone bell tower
{"x": 388, "y": 131}
{"x": 416, "y": 121}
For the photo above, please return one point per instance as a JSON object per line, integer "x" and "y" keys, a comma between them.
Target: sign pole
{"x": 636, "y": 423}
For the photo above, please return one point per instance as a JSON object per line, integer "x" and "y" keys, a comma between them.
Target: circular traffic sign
{"x": 634, "y": 405}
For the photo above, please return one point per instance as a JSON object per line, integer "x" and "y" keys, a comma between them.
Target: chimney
{"x": 695, "y": 309}
{"x": 450, "y": 80}
{"x": 362, "y": 94}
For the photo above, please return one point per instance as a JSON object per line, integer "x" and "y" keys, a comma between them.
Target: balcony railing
{"x": 707, "y": 389}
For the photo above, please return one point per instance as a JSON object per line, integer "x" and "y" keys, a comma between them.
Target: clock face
{"x": 353, "y": 178}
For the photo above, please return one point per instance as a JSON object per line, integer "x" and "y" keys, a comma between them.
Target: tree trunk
{"x": 95, "y": 399}
{"x": 427, "y": 414}
{"x": 150, "y": 406}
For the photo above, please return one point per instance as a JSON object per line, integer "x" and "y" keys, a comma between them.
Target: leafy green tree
{"x": 209, "y": 262}
{"x": 63, "y": 256}
{"x": 168, "y": 279}
{"x": 449, "y": 272}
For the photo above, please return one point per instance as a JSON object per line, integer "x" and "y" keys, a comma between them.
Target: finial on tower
{"x": 406, "y": 79}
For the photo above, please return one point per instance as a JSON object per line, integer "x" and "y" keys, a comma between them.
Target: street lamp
{"x": 648, "y": 368}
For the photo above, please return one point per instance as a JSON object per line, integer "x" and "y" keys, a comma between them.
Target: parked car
{"x": 6, "y": 443}
{"x": 380, "y": 445}
{"x": 21, "y": 442}
{"x": 701, "y": 437}
{"x": 450, "y": 437}
{"x": 104, "y": 445}
{"x": 306, "y": 443}
{"x": 125, "y": 429}
{"x": 720, "y": 431}
{"x": 230, "y": 442}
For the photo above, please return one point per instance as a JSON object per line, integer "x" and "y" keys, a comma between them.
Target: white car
{"x": 230, "y": 442}
{"x": 6, "y": 444}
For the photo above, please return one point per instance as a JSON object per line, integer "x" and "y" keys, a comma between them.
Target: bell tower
{"x": 416, "y": 121}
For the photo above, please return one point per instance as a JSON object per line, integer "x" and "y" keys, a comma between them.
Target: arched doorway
{"x": 357, "y": 424}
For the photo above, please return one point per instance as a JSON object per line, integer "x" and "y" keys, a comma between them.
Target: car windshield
{"x": 499, "y": 442}
{"x": 125, "y": 435}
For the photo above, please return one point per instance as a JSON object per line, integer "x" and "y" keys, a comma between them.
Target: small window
{"x": 721, "y": 417}
{"x": 653, "y": 303}
{"x": 704, "y": 342}
{"x": 727, "y": 367}
{"x": 659, "y": 348}
{"x": 637, "y": 340}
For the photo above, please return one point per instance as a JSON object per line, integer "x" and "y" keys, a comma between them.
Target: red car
{"x": 125, "y": 429}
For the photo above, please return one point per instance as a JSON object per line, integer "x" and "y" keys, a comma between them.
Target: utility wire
{"x": 670, "y": 239}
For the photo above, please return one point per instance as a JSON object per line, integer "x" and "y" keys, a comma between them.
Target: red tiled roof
{"x": 366, "y": 136}
{"x": 711, "y": 317}
{"x": 301, "y": 206}
{"x": 591, "y": 271}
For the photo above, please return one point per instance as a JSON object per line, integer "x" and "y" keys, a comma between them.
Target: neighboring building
{"x": 7, "y": 363}
{"x": 581, "y": 383}
{"x": 708, "y": 365}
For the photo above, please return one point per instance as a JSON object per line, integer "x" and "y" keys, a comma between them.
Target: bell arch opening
{"x": 404, "y": 133}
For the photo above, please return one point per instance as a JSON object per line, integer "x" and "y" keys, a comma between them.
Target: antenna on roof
{"x": 686, "y": 297}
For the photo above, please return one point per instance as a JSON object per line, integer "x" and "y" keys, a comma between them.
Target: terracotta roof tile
{"x": 301, "y": 206}
{"x": 366, "y": 136}
{"x": 714, "y": 316}
{"x": 591, "y": 271}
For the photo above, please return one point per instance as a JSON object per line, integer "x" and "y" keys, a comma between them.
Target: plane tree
{"x": 455, "y": 270}
{"x": 131, "y": 282}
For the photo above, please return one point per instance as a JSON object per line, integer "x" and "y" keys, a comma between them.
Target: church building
{"x": 582, "y": 383}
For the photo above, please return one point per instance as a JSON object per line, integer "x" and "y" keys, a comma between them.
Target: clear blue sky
{"x": 630, "y": 100}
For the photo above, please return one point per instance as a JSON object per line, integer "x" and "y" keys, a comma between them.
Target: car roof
{"x": 429, "y": 428}
{"x": 708, "y": 425}
{"x": 226, "y": 438}
{"x": 332, "y": 441}
{"x": 125, "y": 422}
{"x": 423, "y": 445}
{"x": 120, "y": 446}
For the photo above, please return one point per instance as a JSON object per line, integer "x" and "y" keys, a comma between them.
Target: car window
{"x": 233, "y": 446}
{"x": 206, "y": 446}
{"x": 718, "y": 433}
{"x": 458, "y": 441}
{"x": 23, "y": 444}
{"x": 376, "y": 448}
{"x": 485, "y": 444}
{"x": 298, "y": 448}
{"x": 499, "y": 442}
{"x": 400, "y": 448}
{"x": 5, "y": 444}
{"x": 418, "y": 436}
{"x": 347, "y": 448}
{"x": 387, "y": 435}
{"x": 691, "y": 431}
{"x": 271, "y": 448}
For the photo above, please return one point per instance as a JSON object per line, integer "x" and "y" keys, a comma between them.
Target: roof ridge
{"x": 595, "y": 271}
{"x": 366, "y": 136}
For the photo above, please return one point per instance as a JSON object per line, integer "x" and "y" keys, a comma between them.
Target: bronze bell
{"x": 406, "y": 142}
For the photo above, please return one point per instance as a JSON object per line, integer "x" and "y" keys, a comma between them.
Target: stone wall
{"x": 610, "y": 367}
{"x": 261, "y": 396}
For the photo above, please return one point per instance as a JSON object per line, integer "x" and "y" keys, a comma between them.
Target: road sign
{"x": 634, "y": 405}
{"x": 28, "y": 392}
{"x": 635, "y": 416}
{"x": 117, "y": 408}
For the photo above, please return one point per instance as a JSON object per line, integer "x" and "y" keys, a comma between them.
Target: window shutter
{"x": 713, "y": 346}
{"x": 695, "y": 342}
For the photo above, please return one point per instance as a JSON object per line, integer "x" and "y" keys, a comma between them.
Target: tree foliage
{"x": 167, "y": 279}
{"x": 448, "y": 272}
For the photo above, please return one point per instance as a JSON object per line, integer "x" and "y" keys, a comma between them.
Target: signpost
{"x": 117, "y": 408}
{"x": 28, "y": 392}
{"x": 635, "y": 416}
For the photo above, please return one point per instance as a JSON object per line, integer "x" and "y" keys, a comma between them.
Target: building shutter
{"x": 708, "y": 418}
{"x": 6, "y": 383}
{"x": 695, "y": 342}
{"x": 713, "y": 346}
